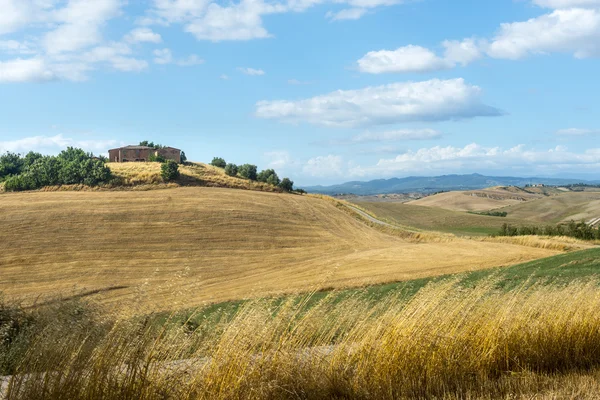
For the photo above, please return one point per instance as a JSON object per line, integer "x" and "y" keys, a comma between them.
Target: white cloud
{"x": 434, "y": 100}
{"x": 475, "y": 157}
{"x": 461, "y": 52}
{"x": 322, "y": 167}
{"x": 555, "y": 4}
{"x": 397, "y": 135}
{"x": 578, "y": 132}
{"x": 16, "y": 47}
{"x": 279, "y": 160}
{"x": 251, "y": 71}
{"x": 575, "y": 31}
{"x": 143, "y": 35}
{"x": 242, "y": 20}
{"x": 347, "y": 14}
{"x": 404, "y": 59}
{"x": 162, "y": 56}
{"x": 224, "y": 77}
{"x": 79, "y": 26}
{"x": 25, "y": 70}
{"x": 54, "y": 144}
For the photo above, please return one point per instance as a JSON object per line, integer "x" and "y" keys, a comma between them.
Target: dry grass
{"x": 561, "y": 208}
{"x": 475, "y": 200}
{"x": 447, "y": 342}
{"x": 147, "y": 175}
{"x": 197, "y": 245}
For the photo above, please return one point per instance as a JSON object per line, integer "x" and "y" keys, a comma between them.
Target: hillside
{"x": 434, "y": 184}
{"x": 476, "y": 200}
{"x": 437, "y": 219}
{"x": 560, "y": 208}
{"x": 186, "y": 246}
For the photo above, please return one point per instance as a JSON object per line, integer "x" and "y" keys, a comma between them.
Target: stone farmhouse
{"x": 142, "y": 153}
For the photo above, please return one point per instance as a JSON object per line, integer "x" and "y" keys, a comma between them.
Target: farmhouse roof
{"x": 133, "y": 148}
{"x": 141, "y": 148}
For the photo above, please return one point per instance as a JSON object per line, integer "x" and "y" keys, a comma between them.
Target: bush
{"x": 248, "y": 171}
{"x": 287, "y": 185}
{"x": 578, "y": 230}
{"x": 218, "y": 162}
{"x": 10, "y": 164}
{"x": 72, "y": 166}
{"x": 231, "y": 169}
{"x": 169, "y": 171}
{"x": 268, "y": 176}
{"x": 156, "y": 158}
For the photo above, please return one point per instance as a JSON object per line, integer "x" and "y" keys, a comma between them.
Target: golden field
{"x": 186, "y": 246}
{"x": 447, "y": 342}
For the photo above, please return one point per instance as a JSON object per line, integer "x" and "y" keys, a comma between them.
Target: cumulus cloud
{"x": 141, "y": 35}
{"x": 474, "y": 157}
{"x": 572, "y": 27}
{"x": 434, "y": 100}
{"x": 575, "y": 31}
{"x": 25, "y": 70}
{"x": 243, "y": 20}
{"x": 404, "y": 59}
{"x": 54, "y": 144}
{"x": 251, "y": 71}
{"x": 79, "y": 24}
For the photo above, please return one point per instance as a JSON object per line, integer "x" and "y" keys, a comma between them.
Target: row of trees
{"x": 33, "y": 171}
{"x": 579, "y": 230}
{"x": 250, "y": 171}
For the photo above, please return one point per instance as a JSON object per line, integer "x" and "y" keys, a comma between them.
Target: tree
{"x": 183, "y": 157}
{"x": 248, "y": 171}
{"x": 31, "y": 157}
{"x": 218, "y": 162}
{"x": 10, "y": 164}
{"x": 231, "y": 169}
{"x": 169, "y": 171}
{"x": 156, "y": 158}
{"x": 268, "y": 176}
{"x": 151, "y": 144}
{"x": 287, "y": 184}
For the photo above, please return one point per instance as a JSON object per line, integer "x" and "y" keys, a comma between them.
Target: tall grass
{"x": 445, "y": 342}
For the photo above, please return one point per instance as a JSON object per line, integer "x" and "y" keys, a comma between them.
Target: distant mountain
{"x": 435, "y": 184}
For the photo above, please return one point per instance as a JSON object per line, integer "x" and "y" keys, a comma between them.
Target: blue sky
{"x": 323, "y": 91}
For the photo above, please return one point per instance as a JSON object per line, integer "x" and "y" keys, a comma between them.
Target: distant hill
{"x": 435, "y": 184}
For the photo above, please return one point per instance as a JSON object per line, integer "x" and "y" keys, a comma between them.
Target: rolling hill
{"x": 185, "y": 246}
{"x": 434, "y": 184}
{"x": 437, "y": 219}
{"x": 477, "y": 200}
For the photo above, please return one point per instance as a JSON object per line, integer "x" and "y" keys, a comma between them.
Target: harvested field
{"x": 196, "y": 245}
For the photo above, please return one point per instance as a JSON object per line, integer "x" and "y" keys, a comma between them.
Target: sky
{"x": 323, "y": 91}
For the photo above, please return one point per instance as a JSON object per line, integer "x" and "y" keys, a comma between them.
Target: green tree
{"x": 169, "y": 171}
{"x": 183, "y": 157}
{"x": 268, "y": 176}
{"x": 287, "y": 184}
{"x": 248, "y": 171}
{"x": 31, "y": 157}
{"x": 218, "y": 162}
{"x": 10, "y": 164}
{"x": 156, "y": 158}
{"x": 231, "y": 169}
